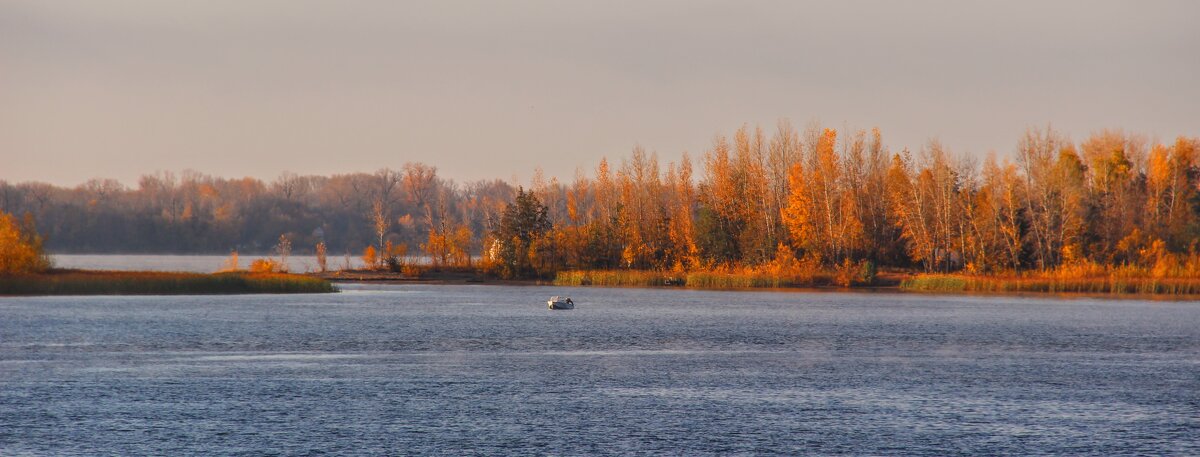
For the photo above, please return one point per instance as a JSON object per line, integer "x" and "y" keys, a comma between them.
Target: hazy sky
{"x": 492, "y": 89}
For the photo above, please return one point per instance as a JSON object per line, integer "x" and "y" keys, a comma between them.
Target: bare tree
{"x": 420, "y": 182}
{"x": 290, "y": 186}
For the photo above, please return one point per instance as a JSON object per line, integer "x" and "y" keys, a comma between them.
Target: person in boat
{"x": 569, "y": 302}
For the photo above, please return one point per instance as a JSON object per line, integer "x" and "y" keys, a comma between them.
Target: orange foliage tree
{"x": 20, "y": 246}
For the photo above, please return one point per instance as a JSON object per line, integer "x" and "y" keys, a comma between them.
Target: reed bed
{"x": 642, "y": 278}
{"x": 1115, "y": 281}
{"x": 747, "y": 280}
{"x": 695, "y": 279}
{"x": 1111, "y": 284}
{"x": 78, "y": 282}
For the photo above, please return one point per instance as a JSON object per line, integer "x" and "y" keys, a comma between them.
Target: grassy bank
{"x": 731, "y": 279}
{"x": 1050, "y": 284}
{"x": 80, "y": 282}
{"x": 1114, "y": 284}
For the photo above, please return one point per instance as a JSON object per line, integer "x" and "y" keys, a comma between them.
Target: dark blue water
{"x": 487, "y": 370}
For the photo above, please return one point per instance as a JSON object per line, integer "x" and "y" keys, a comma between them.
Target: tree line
{"x": 191, "y": 212}
{"x": 817, "y": 195}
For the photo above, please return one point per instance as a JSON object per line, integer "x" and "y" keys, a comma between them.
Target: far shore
{"x": 98, "y": 282}
{"x": 889, "y": 282}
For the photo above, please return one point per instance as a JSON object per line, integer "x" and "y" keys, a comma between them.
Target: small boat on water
{"x": 557, "y": 302}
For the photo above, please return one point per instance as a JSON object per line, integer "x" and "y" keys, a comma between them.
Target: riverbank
{"x": 1115, "y": 285}
{"x": 93, "y": 282}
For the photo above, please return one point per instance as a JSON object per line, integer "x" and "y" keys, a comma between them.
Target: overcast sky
{"x": 493, "y": 89}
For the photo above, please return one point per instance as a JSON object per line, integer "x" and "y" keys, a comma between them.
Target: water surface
{"x": 487, "y": 370}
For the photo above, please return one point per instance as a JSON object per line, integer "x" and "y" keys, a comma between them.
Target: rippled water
{"x": 488, "y": 370}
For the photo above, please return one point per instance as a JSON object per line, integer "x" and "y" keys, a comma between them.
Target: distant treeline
{"x": 815, "y": 197}
{"x": 190, "y": 212}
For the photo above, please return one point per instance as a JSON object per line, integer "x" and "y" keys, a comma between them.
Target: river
{"x": 488, "y": 370}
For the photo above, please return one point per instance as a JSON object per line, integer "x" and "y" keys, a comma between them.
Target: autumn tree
{"x": 1118, "y": 192}
{"x": 1170, "y": 190}
{"x": 604, "y": 243}
{"x": 21, "y": 249}
{"x": 997, "y": 222}
{"x": 1055, "y": 194}
{"x": 643, "y": 219}
{"x": 381, "y": 220}
{"x": 871, "y": 197}
{"x": 911, "y": 210}
{"x": 681, "y": 207}
{"x": 940, "y": 181}
{"x": 823, "y": 213}
{"x": 723, "y": 213}
{"x": 760, "y": 236}
{"x": 784, "y": 151}
{"x": 449, "y": 245}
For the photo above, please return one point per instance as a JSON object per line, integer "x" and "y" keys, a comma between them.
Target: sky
{"x": 494, "y": 89}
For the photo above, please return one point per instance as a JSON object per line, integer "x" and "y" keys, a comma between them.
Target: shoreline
{"x": 57, "y": 282}
{"x": 888, "y": 283}
{"x": 107, "y": 282}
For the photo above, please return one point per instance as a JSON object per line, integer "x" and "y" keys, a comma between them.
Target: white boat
{"x": 557, "y": 302}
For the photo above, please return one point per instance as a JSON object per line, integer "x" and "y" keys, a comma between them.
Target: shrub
{"x": 867, "y": 272}
{"x": 265, "y": 266}
{"x": 370, "y": 258}
{"x": 411, "y": 271}
{"x": 393, "y": 256}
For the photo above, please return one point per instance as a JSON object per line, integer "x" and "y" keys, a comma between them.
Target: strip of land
{"x": 87, "y": 282}
{"x": 1111, "y": 284}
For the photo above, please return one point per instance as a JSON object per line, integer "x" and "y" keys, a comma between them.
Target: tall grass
{"x": 75, "y": 282}
{"x": 751, "y": 279}
{"x": 617, "y": 278}
{"x": 707, "y": 279}
{"x": 1110, "y": 284}
{"x": 1092, "y": 279}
